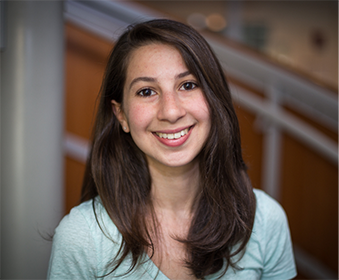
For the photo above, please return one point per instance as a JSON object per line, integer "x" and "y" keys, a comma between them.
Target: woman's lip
{"x": 175, "y": 142}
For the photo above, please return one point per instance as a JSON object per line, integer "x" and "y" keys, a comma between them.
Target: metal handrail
{"x": 300, "y": 129}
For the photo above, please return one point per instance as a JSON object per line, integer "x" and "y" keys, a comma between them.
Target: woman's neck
{"x": 174, "y": 189}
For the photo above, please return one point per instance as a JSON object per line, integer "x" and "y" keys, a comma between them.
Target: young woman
{"x": 166, "y": 194}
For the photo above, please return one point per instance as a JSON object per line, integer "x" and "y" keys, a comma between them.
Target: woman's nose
{"x": 171, "y": 108}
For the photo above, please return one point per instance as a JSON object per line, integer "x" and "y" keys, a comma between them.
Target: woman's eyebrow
{"x": 143, "y": 79}
{"x": 151, "y": 79}
{"x": 182, "y": 75}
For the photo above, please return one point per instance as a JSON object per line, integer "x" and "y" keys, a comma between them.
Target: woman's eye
{"x": 188, "y": 86}
{"x": 146, "y": 92}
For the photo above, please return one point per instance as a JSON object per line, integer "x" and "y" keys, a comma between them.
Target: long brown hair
{"x": 117, "y": 170}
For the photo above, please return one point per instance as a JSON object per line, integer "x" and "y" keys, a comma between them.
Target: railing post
{"x": 272, "y": 149}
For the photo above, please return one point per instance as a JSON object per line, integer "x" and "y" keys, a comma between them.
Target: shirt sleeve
{"x": 73, "y": 250}
{"x": 278, "y": 254}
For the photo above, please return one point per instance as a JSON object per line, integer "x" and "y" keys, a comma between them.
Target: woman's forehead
{"x": 154, "y": 59}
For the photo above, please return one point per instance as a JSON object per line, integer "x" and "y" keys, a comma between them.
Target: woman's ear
{"x": 119, "y": 113}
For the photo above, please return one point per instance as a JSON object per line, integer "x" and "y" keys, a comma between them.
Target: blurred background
{"x": 280, "y": 58}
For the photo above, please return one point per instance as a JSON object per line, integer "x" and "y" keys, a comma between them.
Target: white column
{"x": 31, "y": 135}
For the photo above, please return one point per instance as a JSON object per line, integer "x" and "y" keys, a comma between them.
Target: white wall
{"x": 31, "y": 135}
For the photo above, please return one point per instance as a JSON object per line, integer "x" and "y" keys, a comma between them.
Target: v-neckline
{"x": 153, "y": 270}
{"x": 156, "y": 274}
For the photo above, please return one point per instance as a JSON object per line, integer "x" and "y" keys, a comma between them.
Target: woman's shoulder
{"x": 270, "y": 219}
{"x": 79, "y": 216}
{"x": 268, "y": 254}
{"x": 90, "y": 217}
{"x": 270, "y": 243}
{"x": 83, "y": 243}
{"x": 87, "y": 223}
{"x": 268, "y": 210}
{"x": 83, "y": 211}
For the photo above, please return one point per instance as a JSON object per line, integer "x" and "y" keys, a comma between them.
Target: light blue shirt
{"x": 81, "y": 250}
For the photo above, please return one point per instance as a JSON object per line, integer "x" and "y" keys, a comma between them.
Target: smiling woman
{"x": 165, "y": 193}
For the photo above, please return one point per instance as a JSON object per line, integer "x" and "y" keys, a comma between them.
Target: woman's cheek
{"x": 139, "y": 115}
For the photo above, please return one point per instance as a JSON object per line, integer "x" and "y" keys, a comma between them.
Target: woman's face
{"x": 163, "y": 108}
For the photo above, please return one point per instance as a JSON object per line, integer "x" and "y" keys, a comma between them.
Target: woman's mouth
{"x": 174, "y": 139}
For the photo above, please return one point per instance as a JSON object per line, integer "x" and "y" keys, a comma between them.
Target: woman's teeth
{"x": 173, "y": 135}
